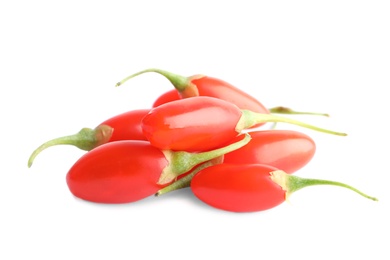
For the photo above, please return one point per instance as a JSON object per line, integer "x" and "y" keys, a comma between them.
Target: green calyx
{"x": 186, "y": 180}
{"x": 181, "y": 162}
{"x": 249, "y": 119}
{"x": 291, "y": 183}
{"x": 86, "y": 139}
{"x": 181, "y": 83}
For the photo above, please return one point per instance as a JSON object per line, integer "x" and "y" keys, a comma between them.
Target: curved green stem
{"x": 291, "y": 183}
{"x": 186, "y": 180}
{"x": 287, "y": 110}
{"x": 249, "y": 119}
{"x": 181, "y": 162}
{"x": 179, "y": 82}
{"x": 86, "y": 139}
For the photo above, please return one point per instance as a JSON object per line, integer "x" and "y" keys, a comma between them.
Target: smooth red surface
{"x": 166, "y": 97}
{"x": 286, "y": 150}
{"x": 127, "y": 126}
{"x": 117, "y": 172}
{"x": 238, "y": 188}
{"x": 213, "y": 87}
{"x": 191, "y": 124}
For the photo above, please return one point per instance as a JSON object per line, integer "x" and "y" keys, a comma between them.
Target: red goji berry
{"x": 204, "y": 123}
{"x": 250, "y": 187}
{"x": 125, "y": 126}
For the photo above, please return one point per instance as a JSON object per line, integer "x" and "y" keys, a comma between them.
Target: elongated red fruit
{"x": 117, "y": 172}
{"x": 250, "y": 187}
{"x": 203, "y": 123}
{"x": 127, "y": 171}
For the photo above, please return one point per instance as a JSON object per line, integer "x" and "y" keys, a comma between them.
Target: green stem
{"x": 86, "y": 139}
{"x": 186, "y": 180}
{"x": 249, "y": 119}
{"x": 181, "y": 162}
{"x": 273, "y": 126}
{"x": 286, "y": 110}
{"x": 179, "y": 82}
{"x": 291, "y": 183}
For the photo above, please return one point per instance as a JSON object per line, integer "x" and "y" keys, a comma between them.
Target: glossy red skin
{"x": 191, "y": 124}
{"x": 286, "y": 150}
{"x": 117, "y": 172}
{"x": 127, "y": 126}
{"x": 213, "y": 87}
{"x": 166, "y": 97}
{"x": 238, "y": 187}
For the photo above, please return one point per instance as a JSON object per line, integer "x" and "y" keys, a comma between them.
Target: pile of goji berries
{"x": 204, "y": 135}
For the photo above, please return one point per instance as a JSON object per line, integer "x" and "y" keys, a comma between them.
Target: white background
{"x": 59, "y": 65}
